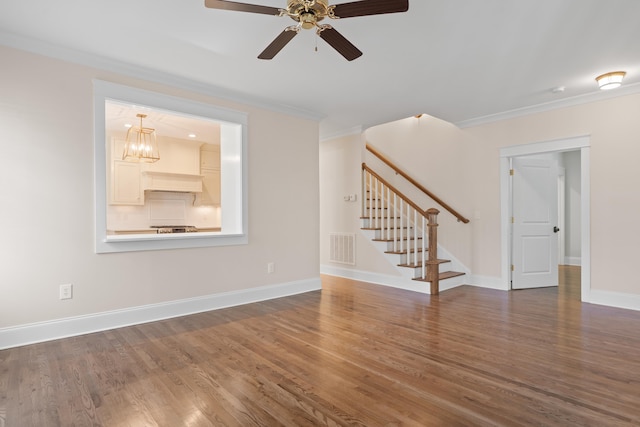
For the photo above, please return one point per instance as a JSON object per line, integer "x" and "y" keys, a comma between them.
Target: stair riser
{"x": 399, "y": 234}
{"x": 403, "y": 246}
{"x": 416, "y": 272}
{"x": 403, "y": 258}
{"x": 385, "y": 223}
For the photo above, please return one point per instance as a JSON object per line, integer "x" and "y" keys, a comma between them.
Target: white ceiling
{"x": 459, "y": 60}
{"x": 119, "y": 117}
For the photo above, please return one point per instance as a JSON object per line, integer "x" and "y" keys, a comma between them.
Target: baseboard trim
{"x": 399, "y": 282}
{"x": 375, "y": 278}
{"x": 73, "y": 326}
{"x": 488, "y": 282}
{"x": 615, "y": 299}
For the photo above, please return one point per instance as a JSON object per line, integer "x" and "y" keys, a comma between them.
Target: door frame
{"x": 561, "y": 215}
{"x": 581, "y": 143}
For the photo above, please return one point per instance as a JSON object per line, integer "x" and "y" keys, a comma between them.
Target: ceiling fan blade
{"x": 339, "y": 43}
{"x": 278, "y": 43}
{"x": 241, "y": 7}
{"x": 370, "y": 7}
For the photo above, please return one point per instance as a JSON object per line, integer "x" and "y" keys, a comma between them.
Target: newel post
{"x": 432, "y": 262}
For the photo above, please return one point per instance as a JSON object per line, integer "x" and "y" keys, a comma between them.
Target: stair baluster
{"x": 424, "y": 251}
{"x": 402, "y": 243}
{"x": 396, "y": 235}
{"x": 398, "y": 221}
{"x": 415, "y": 237}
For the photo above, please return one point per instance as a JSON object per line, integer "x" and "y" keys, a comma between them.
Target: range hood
{"x": 177, "y": 182}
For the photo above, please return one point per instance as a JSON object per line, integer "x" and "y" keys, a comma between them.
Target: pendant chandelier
{"x": 141, "y": 144}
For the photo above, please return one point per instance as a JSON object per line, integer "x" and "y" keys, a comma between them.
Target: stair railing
{"x": 390, "y": 211}
{"x": 415, "y": 183}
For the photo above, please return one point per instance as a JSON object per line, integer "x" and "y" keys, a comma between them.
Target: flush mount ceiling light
{"x": 141, "y": 144}
{"x": 610, "y": 80}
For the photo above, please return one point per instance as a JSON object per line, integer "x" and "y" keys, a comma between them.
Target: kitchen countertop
{"x": 154, "y": 231}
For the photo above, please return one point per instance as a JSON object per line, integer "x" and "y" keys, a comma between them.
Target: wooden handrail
{"x": 393, "y": 189}
{"x": 416, "y": 183}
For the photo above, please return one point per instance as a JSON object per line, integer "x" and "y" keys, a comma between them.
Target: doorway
{"x": 580, "y": 144}
{"x": 534, "y": 221}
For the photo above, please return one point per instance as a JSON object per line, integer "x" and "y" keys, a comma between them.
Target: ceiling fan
{"x": 309, "y": 13}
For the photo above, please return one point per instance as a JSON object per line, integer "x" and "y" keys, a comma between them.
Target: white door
{"x": 535, "y": 220}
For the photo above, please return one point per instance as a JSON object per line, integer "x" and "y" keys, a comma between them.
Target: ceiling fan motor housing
{"x": 307, "y": 13}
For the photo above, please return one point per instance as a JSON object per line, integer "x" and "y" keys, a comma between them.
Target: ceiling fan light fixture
{"x": 309, "y": 13}
{"x": 610, "y": 80}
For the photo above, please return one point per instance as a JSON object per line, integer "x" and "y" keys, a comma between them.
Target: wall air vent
{"x": 342, "y": 248}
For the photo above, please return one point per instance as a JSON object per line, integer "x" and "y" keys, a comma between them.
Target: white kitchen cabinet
{"x": 210, "y": 157}
{"x": 210, "y": 171}
{"x": 176, "y": 156}
{"x": 126, "y": 188}
{"x": 210, "y": 187}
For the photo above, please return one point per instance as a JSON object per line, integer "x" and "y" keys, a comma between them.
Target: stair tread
{"x": 443, "y": 276}
{"x": 412, "y": 265}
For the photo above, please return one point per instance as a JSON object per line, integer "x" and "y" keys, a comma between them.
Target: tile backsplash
{"x": 163, "y": 208}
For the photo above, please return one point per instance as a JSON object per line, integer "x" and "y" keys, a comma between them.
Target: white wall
{"x": 340, "y": 171}
{"x": 466, "y": 171}
{"x": 426, "y": 150}
{"x": 614, "y": 132}
{"x": 434, "y": 153}
{"x": 47, "y": 204}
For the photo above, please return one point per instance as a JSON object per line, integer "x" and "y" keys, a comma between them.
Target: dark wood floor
{"x": 353, "y": 354}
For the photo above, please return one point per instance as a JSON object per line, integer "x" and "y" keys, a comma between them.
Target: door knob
{"x": 556, "y": 229}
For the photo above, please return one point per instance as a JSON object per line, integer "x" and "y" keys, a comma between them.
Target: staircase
{"x": 406, "y": 234}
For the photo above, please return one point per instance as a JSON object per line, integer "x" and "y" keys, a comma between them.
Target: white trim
{"x": 585, "y": 218}
{"x": 108, "y": 64}
{"x": 356, "y": 130}
{"x": 400, "y": 282}
{"x": 234, "y": 137}
{"x": 488, "y": 282}
{"x": 62, "y": 328}
{"x": 552, "y": 146}
{"x": 600, "y": 95}
{"x": 505, "y": 222}
{"x": 615, "y": 299}
{"x": 561, "y": 215}
{"x": 566, "y": 144}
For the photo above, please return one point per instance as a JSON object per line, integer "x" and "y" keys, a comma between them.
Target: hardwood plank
{"x": 351, "y": 354}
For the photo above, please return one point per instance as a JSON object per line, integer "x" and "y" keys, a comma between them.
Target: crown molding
{"x": 549, "y": 106}
{"x": 356, "y": 130}
{"x": 40, "y": 47}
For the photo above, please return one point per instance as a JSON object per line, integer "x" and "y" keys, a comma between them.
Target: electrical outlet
{"x": 66, "y": 291}
{"x": 353, "y": 197}
{"x": 271, "y": 267}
